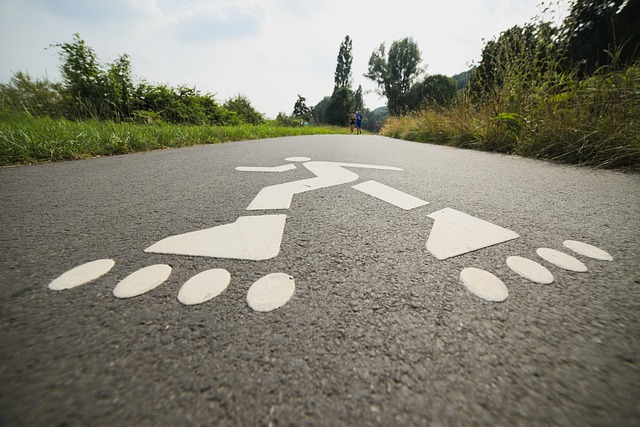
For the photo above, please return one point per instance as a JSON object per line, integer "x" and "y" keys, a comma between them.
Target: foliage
{"x": 300, "y": 108}
{"x": 34, "y": 97}
{"x": 244, "y": 110}
{"x": 340, "y": 106}
{"x": 394, "y": 74}
{"x": 433, "y": 90}
{"x": 595, "y": 29}
{"x": 358, "y": 99}
{"x": 319, "y": 110}
{"x": 92, "y": 91}
{"x": 27, "y": 139}
{"x": 343, "y": 67}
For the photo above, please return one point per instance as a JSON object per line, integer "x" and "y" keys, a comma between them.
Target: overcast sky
{"x": 268, "y": 50}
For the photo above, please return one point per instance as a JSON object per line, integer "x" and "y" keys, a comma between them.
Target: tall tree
{"x": 343, "y": 67}
{"x": 598, "y": 30}
{"x": 394, "y": 74}
{"x": 85, "y": 82}
{"x": 300, "y": 108}
{"x": 121, "y": 84}
{"x": 359, "y": 99}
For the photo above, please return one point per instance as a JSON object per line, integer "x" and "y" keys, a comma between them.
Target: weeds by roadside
{"x": 25, "y": 139}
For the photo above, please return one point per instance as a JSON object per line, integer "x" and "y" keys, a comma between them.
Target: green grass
{"x": 594, "y": 122}
{"x": 25, "y": 139}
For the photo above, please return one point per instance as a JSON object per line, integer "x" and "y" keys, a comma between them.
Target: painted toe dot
{"x": 271, "y": 292}
{"x": 82, "y": 274}
{"x": 587, "y": 250}
{"x": 484, "y": 285}
{"x": 562, "y": 260}
{"x": 530, "y": 270}
{"x": 204, "y": 286}
{"x": 141, "y": 281}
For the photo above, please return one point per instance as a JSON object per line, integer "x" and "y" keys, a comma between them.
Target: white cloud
{"x": 269, "y": 50}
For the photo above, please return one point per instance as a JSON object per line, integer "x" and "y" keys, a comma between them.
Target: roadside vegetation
{"x": 568, "y": 94}
{"x": 100, "y": 110}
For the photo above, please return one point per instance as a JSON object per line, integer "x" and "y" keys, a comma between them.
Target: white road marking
{"x": 142, "y": 281}
{"x": 562, "y": 260}
{"x": 390, "y": 195}
{"x": 298, "y": 159}
{"x": 327, "y": 174}
{"x": 82, "y": 274}
{"x": 484, "y": 284}
{"x": 455, "y": 233}
{"x": 530, "y": 270}
{"x": 204, "y": 286}
{"x": 250, "y": 237}
{"x": 271, "y": 292}
{"x": 282, "y": 168}
{"x": 587, "y": 250}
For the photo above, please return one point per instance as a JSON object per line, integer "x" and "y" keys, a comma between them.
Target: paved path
{"x": 370, "y": 325}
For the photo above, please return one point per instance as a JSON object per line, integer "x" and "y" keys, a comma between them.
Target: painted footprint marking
{"x": 259, "y": 237}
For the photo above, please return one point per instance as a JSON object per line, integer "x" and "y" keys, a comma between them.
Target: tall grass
{"x": 25, "y": 139}
{"x": 524, "y": 101}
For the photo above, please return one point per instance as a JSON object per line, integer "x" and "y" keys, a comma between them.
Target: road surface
{"x": 379, "y": 329}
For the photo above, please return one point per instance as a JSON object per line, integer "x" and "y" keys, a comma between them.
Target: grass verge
{"x": 25, "y": 139}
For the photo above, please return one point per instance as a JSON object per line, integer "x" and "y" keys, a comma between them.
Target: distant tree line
{"x": 595, "y": 34}
{"x": 91, "y": 90}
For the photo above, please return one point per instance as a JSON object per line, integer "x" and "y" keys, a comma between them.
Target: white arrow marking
{"x": 250, "y": 237}
{"x": 455, "y": 233}
{"x": 390, "y": 195}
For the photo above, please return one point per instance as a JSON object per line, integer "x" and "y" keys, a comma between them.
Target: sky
{"x": 269, "y": 51}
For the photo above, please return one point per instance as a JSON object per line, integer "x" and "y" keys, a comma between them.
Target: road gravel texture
{"x": 378, "y": 332}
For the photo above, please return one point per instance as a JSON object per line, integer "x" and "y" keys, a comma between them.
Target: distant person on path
{"x": 377, "y": 128}
{"x": 352, "y": 122}
{"x": 359, "y": 122}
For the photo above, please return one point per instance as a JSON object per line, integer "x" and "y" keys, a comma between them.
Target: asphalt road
{"x": 378, "y": 332}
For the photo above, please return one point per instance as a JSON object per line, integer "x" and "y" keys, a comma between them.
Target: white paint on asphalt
{"x": 82, "y": 274}
{"x": 484, "y": 284}
{"x": 271, "y": 292}
{"x": 587, "y": 250}
{"x": 455, "y": 233}
{"x": 204, "y": 286}
{"x": 142, "y": 281}
{"x": 298, "y": 159}
{"x": 390, "y": 195}
{"x": 250, "y": 237}
{"x": 282, "y": 168}
{"x": 328, "y": 174}
{"x": 530, "y": 270}
{"x": 562, "y": 260}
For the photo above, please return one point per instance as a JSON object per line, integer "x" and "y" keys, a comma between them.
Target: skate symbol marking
{"x": 258, "y": 237}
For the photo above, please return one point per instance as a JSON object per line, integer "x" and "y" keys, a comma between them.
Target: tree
{"x": 436, "y": 90}
{"x": 340, "y": 105}
{"x": 242, "y": 106}
{"x": 343, "y": 67}
{"x": 396, "y": 73}
{"x": 35, "y": 97}
{"x": 85, "y": 83}
{"x": 300, "y": 108}
{"x": 319, "y": 110}
{"x": 121, "y": 84}
{"x": 359, "y": 99}
{"x": 598, "y": 31}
